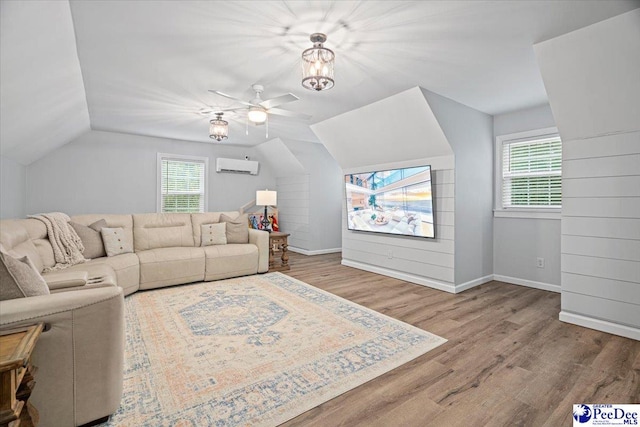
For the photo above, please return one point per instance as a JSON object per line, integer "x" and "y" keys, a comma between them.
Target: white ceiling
{"x": 147, "y": 65}
{"x": 42, "y": 99}
{"x": 355, "y": 140}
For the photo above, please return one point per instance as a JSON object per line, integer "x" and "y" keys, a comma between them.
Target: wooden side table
{"x": 16, "y": 376}
{"x": 278, "y": 242}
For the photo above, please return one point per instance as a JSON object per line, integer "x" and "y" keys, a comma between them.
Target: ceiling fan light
{"x": 257, "y": 115}
{"x": 317, "y": 65}
{"x": 218, "y": 128}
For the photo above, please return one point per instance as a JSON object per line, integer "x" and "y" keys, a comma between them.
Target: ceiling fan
{"x": 259, "y": 109}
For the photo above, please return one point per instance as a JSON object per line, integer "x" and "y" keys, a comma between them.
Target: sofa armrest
{"x": 80, "y": 356}
{"x": 260, "y": 238}
{"x": 65, "y": 279}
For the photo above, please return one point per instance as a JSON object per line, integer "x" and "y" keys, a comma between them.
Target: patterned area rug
{"x": 254, "y": 351}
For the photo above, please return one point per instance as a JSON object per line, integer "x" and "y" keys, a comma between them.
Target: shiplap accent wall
{"x": 428, "y": 262}
{"x": 597, "y": 116}
{"x": 601, "y": 228}
{"x": 293, "y": 209}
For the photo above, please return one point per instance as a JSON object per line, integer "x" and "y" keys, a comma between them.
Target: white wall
{"x": 13, "y": 180}
{"x": 106, "y": 172}
{"x": 470, "y": 134}
{"x": 429, "y": 262}
{"x": 309, "y": 184}
{"x": 518, "y": 242}
{"x": 325, "y": 196}
{"x": 399, "y": 131}
{"x": 293, "y": 210}
{"x": 417, "y": 127}
{"x": 591, "y": 76}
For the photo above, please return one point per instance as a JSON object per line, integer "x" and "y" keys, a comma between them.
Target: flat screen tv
{"x": 396, "y": 201}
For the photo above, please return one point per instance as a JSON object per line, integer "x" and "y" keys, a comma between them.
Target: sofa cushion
{"x": 114, "y": 241}
{"x": 152, "y": 231}
{"x": 15, "y": 240}
{"x": 197, "y": 219}
{"x": 214, "y": 234}
{"x": 170, "y": 266}
{"x": 125, "y": 269}
{"x": 45, "y": 253}
{"x": 223, "y": 261}
{"x": 38, "y": 233}
{"x": 19, "y": 278}
{"x": 113, "y": 221}
{"x": 237, "y": 228}
{"x": 91, "y": 238}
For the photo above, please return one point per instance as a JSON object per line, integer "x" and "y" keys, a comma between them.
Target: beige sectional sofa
{"x": 81, "y": 356}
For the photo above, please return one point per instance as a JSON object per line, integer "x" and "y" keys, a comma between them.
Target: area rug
{"x": 251, "y": 351}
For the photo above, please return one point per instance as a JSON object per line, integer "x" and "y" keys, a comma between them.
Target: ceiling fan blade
{"x": 217, "y": 92}
{"x": 287, "y": 113}
{"x": 278, "y": 100}
{"x": 211, "y": 111}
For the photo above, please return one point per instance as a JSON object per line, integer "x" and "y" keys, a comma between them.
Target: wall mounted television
{"x": 395, "y": 201}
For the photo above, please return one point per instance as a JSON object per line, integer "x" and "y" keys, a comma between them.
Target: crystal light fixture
{"x": 317, "y": 65}
{"x": 218, "y": 128}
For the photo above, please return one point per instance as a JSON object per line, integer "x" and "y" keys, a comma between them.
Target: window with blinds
{"x": 182, "y": 184}
{"x": 532, "y": 173}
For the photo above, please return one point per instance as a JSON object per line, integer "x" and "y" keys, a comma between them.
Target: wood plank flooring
{"x": 509, "y": 361}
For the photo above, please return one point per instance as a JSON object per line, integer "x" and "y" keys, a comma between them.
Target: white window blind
{"x": 182, "y": 184}
{"x": 532, "y": 173}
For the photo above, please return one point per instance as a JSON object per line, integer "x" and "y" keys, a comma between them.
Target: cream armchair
{"x": 80, "y": 355}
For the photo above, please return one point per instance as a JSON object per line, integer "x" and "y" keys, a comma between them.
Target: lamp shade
{"x": 257, "y": 114}
{"x": 266, "y": 198}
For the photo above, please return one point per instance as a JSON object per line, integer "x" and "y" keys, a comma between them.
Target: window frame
{"x": 520, "y": 212}
{"x": 180, "y": 157}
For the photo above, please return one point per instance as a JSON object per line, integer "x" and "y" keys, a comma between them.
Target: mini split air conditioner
{"x": 237, "y": 166}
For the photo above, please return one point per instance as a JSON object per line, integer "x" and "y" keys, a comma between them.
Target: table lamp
{"x": 266, "y": 198}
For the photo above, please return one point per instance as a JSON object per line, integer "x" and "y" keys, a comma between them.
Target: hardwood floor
{"x": 509, "y": 361}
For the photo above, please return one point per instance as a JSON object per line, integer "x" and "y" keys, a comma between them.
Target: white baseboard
{"x": 450, "y": 287}
{"x": 316, "y": 252}
{"x": 528, "y": 283}
{"x": 472, "y": 283}
{"x": 442, "y": 286}
{"x": 600, "y": 325}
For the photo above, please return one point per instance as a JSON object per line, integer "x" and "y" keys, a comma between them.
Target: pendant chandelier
{"x": 317, "y": 65}
{"x": 218, "y": 128}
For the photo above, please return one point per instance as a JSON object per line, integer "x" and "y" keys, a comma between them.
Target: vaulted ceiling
{"x": 145, "y": 67}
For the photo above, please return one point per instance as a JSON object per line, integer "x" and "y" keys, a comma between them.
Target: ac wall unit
{"x": 237, "y": 166}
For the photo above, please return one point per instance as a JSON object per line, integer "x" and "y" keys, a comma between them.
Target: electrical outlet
{"x": 390, "y": 254}
{"x": 540, "y": 262}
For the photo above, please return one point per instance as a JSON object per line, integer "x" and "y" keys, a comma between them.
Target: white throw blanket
{"x": 67, "y": 246}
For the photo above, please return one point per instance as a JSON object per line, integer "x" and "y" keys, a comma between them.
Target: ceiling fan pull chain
{"x": 266, "y": 134}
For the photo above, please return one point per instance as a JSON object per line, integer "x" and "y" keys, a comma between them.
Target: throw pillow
{"x": 91, "y": 239}
{"x": 115, "y": 242}
{"x": 19, "y": 278}
{"x": 214, "y": 234}
{"x": 237, "y": 229}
